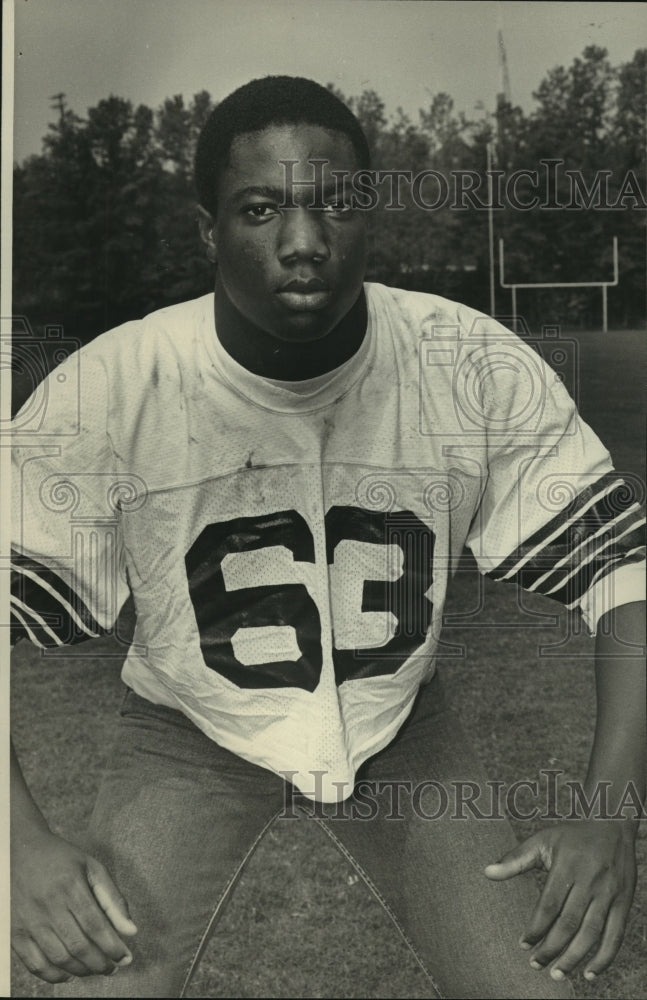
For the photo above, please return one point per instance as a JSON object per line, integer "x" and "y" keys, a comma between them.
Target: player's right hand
{"x": 68, "y": 917}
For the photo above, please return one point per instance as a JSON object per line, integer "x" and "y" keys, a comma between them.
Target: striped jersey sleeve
{"x": 44, "y": 608}
{"x": 67, "y": 578}
{"x": 591, "y": 556}
{"x": 555, "y": 517}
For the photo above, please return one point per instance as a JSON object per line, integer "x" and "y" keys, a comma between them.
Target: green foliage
{"x": 104, "y": 217}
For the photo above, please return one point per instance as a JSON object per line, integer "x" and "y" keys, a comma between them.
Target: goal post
{"x": 514, "y": 285}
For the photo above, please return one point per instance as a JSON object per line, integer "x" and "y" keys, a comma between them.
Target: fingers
{"x": 68, "y": 916}
{"x": 57, "y": 955}
{"x": 530, "y": 854}
{"x": 597, "y": 923}
{"x": 34, "y": 959}
{"x": 549, "y": 908}
{"x": 611, "y": 939}
{"x": 576, "y": 929}
{"x": 585, "y": 900}
{"x": 86, "y": 931}
{"x": 79, "y": 957}
{"x": 109, "y": 898}
{"x": 570, "y": 920}
{"x": 80, "y": 953}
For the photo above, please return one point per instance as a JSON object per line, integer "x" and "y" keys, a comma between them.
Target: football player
{"x": 284, "y": 473}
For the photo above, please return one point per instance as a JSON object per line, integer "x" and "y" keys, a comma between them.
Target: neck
{"x": 263, "y": 354}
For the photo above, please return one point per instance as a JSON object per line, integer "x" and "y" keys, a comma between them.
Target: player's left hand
{"x": 587, "y": 896}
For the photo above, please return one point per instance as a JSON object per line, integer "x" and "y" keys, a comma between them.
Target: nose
{"x": 303, "y": 236}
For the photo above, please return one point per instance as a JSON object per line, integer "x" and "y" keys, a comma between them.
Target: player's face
{"x": 293, "y": 271}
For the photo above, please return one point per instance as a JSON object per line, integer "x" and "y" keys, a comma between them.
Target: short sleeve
{"x": 554, "y": 517}
{"x": 68, "y": 579}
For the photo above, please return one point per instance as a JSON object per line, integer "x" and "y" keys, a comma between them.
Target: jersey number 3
{"x": 259, "y": 626}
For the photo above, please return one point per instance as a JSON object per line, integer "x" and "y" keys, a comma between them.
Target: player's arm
{"x": 586, "y": 899}
{"x": 556, "y": 519}
{"x": 68, "y": 917}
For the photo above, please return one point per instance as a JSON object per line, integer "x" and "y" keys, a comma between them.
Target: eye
{"x": 260, "y": 211}
{"x": 337, "y": 208}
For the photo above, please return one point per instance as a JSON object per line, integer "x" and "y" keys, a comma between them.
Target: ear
{"x": 206, "y": 224}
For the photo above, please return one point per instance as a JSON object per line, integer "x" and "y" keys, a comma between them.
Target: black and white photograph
{"x": 322, "y": 426}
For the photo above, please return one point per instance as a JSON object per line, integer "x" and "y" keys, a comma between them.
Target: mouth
{"x": 302, "y": 295}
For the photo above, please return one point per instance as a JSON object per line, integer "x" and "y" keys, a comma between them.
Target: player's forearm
{"x": 618, "y": 753}
{"x": 26, "y": 818}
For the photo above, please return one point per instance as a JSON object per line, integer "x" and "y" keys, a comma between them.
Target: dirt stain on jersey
{"x": 181, "y": 385}
{"x": 328, "y": 425}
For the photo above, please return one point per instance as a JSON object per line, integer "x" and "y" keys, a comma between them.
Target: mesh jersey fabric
{"x": 289, "y": 547}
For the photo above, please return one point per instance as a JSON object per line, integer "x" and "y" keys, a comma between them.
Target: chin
{"x": 303, "y": 329}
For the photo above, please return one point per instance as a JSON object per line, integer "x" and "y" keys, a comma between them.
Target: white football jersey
{"x": 289, "y": 546}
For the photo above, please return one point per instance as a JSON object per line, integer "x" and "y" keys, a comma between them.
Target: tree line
{"x": 105, "y": 216}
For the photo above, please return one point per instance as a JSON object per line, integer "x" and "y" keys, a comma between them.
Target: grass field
{"x": 299, "y": 923}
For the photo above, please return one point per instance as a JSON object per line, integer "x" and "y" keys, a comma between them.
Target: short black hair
{"x": 271, "y": 100}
